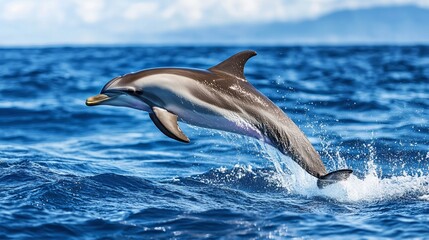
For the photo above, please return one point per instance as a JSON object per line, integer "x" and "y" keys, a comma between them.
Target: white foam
{"x": 369, "y": 188}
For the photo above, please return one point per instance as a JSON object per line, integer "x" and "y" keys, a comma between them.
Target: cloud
{"x": 17, "y": 10}
{"x": 90, "y": 11}
{"x": 140, "y": 10}
{"x": 109, "y": 21}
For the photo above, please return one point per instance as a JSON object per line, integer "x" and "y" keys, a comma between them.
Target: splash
{"x": 371, "y": 187}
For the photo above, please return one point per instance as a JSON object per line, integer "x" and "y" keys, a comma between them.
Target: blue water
{"x": 71, "y": 171}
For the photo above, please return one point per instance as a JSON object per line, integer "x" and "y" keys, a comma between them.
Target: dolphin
{"x": 218, "y": 98}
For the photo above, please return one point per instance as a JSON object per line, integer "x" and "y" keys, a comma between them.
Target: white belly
{"x": 225, "y": 121}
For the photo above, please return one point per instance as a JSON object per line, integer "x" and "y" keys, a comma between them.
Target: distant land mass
{"x": 380, "y": 25}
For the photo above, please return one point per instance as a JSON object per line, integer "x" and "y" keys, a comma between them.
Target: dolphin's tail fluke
{"x": 333, "y": 177}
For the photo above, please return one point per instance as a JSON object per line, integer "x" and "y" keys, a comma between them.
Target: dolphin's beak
{"x": 98, "y": 99}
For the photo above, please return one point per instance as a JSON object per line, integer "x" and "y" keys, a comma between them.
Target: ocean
{"x": 68, "y": 171}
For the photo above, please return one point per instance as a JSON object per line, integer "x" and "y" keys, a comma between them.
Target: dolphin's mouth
{"x": 99, "y": 99}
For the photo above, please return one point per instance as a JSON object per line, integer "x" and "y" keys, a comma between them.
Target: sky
{"x": 45, "y": 22}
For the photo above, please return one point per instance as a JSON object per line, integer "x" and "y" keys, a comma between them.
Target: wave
{"x": 282, "y": 175}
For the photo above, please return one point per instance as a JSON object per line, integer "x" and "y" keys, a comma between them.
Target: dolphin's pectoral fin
{"x": 167, "y": 124}
{"x": 235, "y": 64}
{"x": 333, "y": 177}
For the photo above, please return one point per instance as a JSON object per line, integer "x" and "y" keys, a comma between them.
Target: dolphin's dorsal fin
{"x": 167, "y": 124}
{"x": 235, "y": 64}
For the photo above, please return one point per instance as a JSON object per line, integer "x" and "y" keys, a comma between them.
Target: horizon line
{"x": 125, "y": 45}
